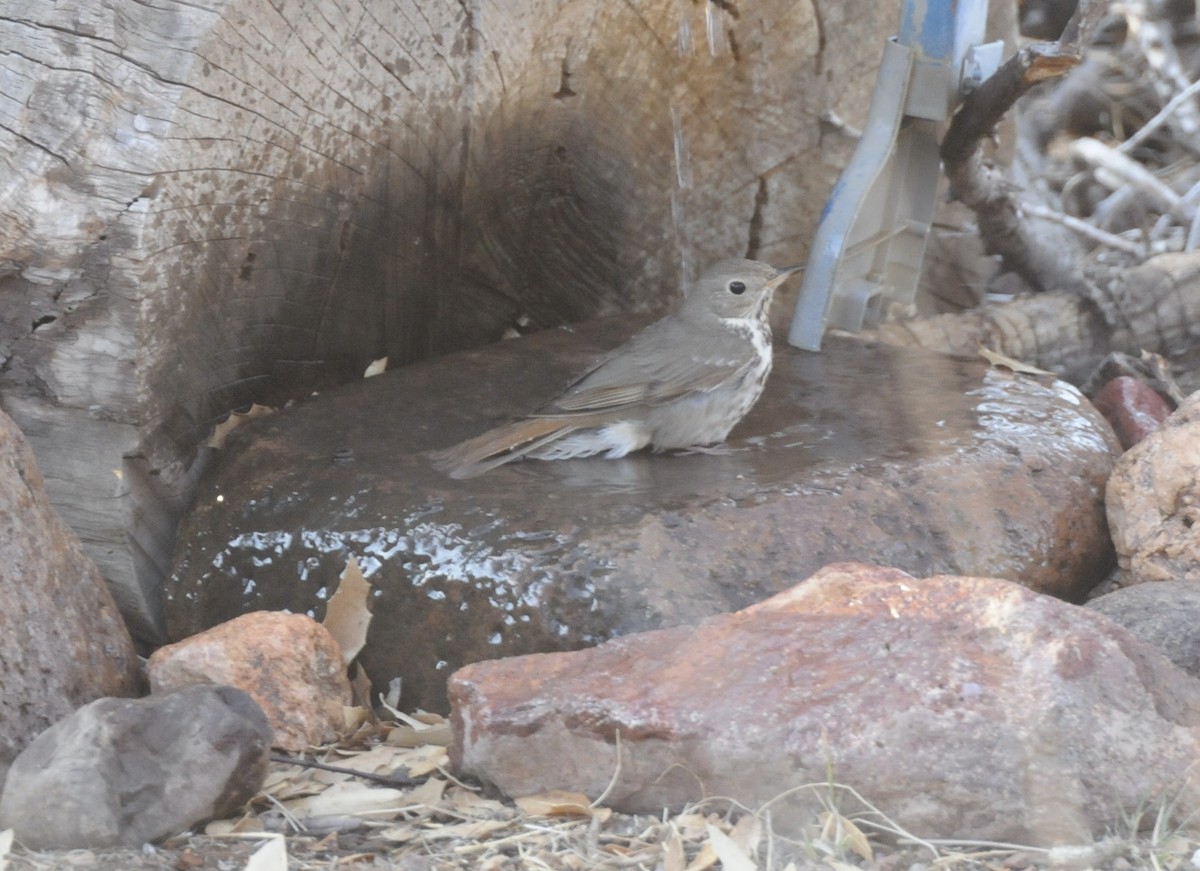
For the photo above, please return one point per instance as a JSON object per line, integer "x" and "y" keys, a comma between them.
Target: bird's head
{"x": 736, "y": 288}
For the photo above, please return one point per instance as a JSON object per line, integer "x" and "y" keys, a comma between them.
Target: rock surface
{"x": 1133, "y": 408}
{"x": 895, "y": 456}
{"x": 123, "y": 772}
{"x": 62, "y": 642}
{"x": 1165, "y": 614}
{"x": 1153, "y": 500}
{"x": 288, "y": 663}
{"x": 961, "y": 707}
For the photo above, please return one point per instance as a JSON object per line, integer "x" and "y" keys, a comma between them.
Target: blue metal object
{"x": 870, "y": 243}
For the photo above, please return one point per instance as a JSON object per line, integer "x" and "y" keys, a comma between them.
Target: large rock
{"x": 62, "y": 642}
{"x": 288, "y": 663}
{"x": 124, "y": 772}
{"x": 960, "y": 707}
{"x": 1165, "y": 614}
{"x": 1154, "y": 502}
{"x": 895, "y": 456}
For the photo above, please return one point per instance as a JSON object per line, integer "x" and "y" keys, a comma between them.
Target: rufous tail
{"x": 501, "y": 445}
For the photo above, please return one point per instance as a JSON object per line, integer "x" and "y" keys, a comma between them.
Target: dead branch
{"x": 1044, "y": 263}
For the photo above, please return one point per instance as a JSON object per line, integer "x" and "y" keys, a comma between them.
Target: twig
{"x": 1044, "y": 263}
{"x": 612, "y": 781}
{"x": 387, "y": 779}
{"x": 1164, "y": 114}
{"x": 1083, "y": 228}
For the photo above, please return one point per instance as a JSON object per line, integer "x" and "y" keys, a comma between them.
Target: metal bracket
{"x": 870, "y": 243}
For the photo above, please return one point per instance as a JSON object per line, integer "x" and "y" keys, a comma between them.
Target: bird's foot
{"x": 717, "y": 450}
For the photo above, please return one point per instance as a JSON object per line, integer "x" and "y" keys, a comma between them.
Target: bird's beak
{"x": 782, "y": 275}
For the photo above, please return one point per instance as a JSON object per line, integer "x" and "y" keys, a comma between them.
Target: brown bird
{"x": 682, "y": 382}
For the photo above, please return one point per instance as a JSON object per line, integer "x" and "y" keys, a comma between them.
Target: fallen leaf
{"x": 400, "y": 834}
{"x": 428, "y": 793}
{"x": 995, "y": 358}
{"x": 706, "y": 858}
{"x": 377, "y": 367}
{"x": 673, "y": 856}
{"x": 349, "y": 798}
{"x": 424, "y": 760}
{"x": 271, "y": 856}
{"x": 472, "y": 830}
{"x": 247, "y": 824}
{"x": 747, "y": 834}
{"x": 360, "y": 687}
{"x": 346, "y": 616}
{"x": 556, "y": 803}
{"x": 838, "y": 830}
{"x": 353, "y": 716}
{"x": 733, "y": 857}
{"x": 407, "y": 736}
{"x": 223, "y": 429}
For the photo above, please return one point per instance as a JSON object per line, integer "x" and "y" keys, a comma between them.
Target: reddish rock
{"x": 62, "y": 641}
{"x": 1153, "y": 502}
{"x": 1132, "y": 407}
{"x": 288, "y": 663}
{"x": 961, "y": 707}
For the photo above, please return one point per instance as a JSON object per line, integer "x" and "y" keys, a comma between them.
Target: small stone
{"x": 288, "y": 663}
{"x": 959, "y": 707}
{"x": 1132, "y": 407}
{"x": 123, "y": 772}
{"x": 1153, "y": 502}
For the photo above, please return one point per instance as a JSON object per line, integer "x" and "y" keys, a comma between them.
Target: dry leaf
{"x": 349, "y": 798}
{"x": 706, "y": 858}
{"x": 836, "y": 829}
{"x": 995, "y": 358}
{"x": 346, "y": 616}
{"x": 424, "y": 760}
{"x": 222, "y": 430}
{"x": 400, "y": 834}
{"x": 733, "y": 857}
{"x": 354, "y": 716}
{"x": 560, "y": 803}
{"x": 246, "y": 825}
{"x": 407, "y": 736}
{"x": 673, "y": 856}
{"x": 271, "y": 856}
{"x": 428, "y": 793}
{"x": 472, "y": 830}
{"x": 377, "y": 367}
{"x": 747, "y": 834}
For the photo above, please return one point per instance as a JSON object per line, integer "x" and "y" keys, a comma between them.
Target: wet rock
{"x": 1153, "y": 500}
{"x": 288, "y": 663}
{"x": 62, "y": 641}
{"x": 961, "y": 707}
{"x": 896, "y": 456}
{"x": 1132, "y": 407}
{"x": 123, "y": 772}
{"x": 1165, "y": 614}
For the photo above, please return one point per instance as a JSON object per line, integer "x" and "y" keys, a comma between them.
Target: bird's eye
{"x": 737, "y": 287}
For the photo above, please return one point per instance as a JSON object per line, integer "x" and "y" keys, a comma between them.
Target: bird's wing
{"x": 640, "y": 372}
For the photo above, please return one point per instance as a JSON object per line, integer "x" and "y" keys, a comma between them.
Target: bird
{"x": 682, "y": 382}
